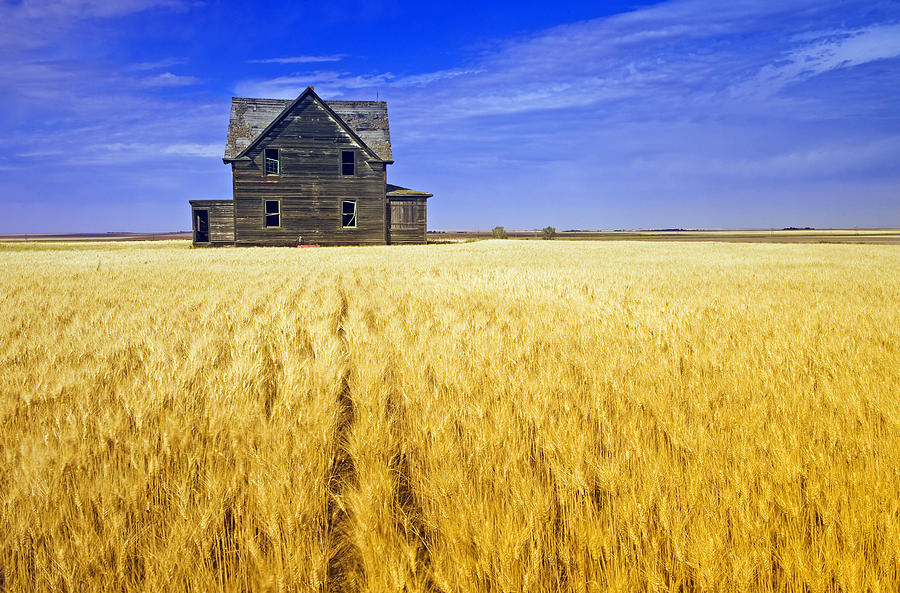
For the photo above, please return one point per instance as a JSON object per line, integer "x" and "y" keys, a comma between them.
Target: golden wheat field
{"x": 498, "y": 416}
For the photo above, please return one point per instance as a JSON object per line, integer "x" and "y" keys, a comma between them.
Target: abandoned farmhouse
{"x": 310, "y": 172}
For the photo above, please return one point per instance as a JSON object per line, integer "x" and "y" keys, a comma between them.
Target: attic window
{"x": 272, "y": 216}
{"x": 348, "y": 162}
{"x": 348, "y": 214}
{"x": 273, "y": 162}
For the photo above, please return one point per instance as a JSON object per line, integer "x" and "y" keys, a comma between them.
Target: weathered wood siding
{"x": 221, "y": 220}
{"x": 310, "y": 185}
{"x": 407, "y": 220}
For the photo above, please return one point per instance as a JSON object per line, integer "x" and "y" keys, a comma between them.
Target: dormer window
{"x": 273, "y": 161}
{"x": 348, "y": 162}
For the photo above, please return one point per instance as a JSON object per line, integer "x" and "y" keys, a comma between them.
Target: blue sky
{"x": 685, "y": 113}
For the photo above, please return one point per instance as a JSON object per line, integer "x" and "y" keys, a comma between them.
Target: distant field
{"x": 489, "y": 416}
{"x": 72, "y": 237}
{"x": 881, "y": 236}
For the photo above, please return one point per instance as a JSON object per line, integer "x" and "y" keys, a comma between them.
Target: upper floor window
{"x": 272, "y": 215}
{"x": 273, "y": 161}
{"x": 348, "y": 162}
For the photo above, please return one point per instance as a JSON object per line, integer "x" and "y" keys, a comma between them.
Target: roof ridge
{"x": 325, "y": 100}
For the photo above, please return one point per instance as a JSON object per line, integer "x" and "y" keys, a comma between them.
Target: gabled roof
{"x": 395, "y": 191}
{"x": 367, "y": 121}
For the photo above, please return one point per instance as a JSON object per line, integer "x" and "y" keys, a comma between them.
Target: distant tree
{"x": 548, "y": 232}
{"x": 499, "y": 233}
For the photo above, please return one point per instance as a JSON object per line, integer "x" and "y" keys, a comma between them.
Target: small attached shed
{"x": 213, "y": 222}
{"x": 406, "y": 214}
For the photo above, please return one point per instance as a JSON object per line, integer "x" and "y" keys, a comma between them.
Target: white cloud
{"x": 30, "y": 24}
{"x": 167, "y": 79}
{"x": 195, "y": 150}
{"x": 594, "y": 62}
{"x": 431, "y": 77}
{"x": 331, "y": 84}
{"x": 327, "y": 83}
{"x": 139, "y": 66}
{"x": 127, "y": 127}
{"x": 44, "y": 9}
{"x": 133, "y": 152}
{"x": 40, "y": 153}
{"x": 820, "y": 53}
{"x": 299, "y": 59}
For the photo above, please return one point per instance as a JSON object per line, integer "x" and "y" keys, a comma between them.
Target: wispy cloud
{"x": 338, "y": 84}
{"x": 43, "y": 9}
{"x": 167, "y": 79}
{"x": 79, "y": 110}
{"x": 28, "y": 24}
{"x": 103, "y": 153}
{"x": 159, "y": 64}
{"x": 672, "y": 60}
{"x": 299, "y": 59}
{"x": 194, "y": 150}
{"x": 831, "y": 50}
{"x": 666, "y": 55}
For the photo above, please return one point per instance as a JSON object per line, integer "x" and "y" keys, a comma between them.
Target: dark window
{"x": 348, "y": 162}
{"x": 273, "y": 214}
{"x": 348, "y": 214}
{"x": 273, "y": 163}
